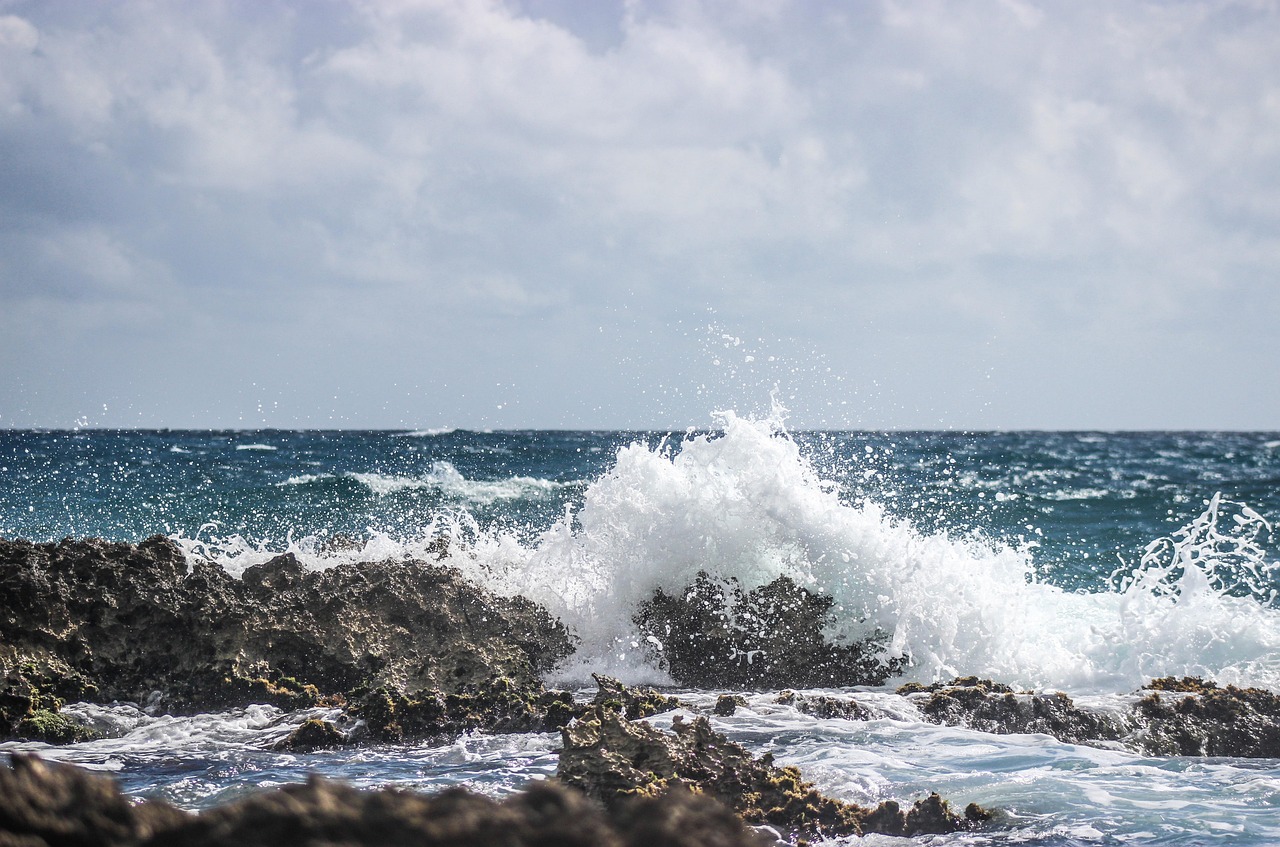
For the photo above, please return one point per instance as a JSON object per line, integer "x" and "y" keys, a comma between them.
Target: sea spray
{"x": 745, "y": 504}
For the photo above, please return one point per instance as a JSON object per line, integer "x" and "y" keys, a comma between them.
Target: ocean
{"x": 1086, "y": 562}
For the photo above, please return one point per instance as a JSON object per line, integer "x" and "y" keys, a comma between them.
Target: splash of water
{"x": 744, "y": 503}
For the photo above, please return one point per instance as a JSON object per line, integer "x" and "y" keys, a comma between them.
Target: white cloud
{"x": 904, "y": 170}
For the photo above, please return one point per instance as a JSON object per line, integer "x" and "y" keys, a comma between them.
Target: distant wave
{"x": 445, "y": 479}
{"x": 256, "y": 447}
{"x": 428, "y": 433}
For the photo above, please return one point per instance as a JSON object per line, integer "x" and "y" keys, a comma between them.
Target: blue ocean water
{"x": 1083, "y": 561}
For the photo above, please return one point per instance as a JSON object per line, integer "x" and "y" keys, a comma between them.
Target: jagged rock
{"x": 103, "y": 621}
{"x": 614, "y": 761}
{"x": 822, "y": 706}
{"x": 1177, "y": 717}
{"x": 1192, "y": 717}
{"x": 53, "y": 805}
{"x": 496, "y": 705}
{"x": 715, "y": 635}
{"x": 992, "y": 707}
{"x": 44, "y": 803}
{"x": 635, "y": 703}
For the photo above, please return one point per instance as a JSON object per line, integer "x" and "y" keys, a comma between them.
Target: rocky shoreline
{"x": 412, "y": 651}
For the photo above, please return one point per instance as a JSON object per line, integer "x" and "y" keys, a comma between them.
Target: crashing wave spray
{"x": 744, "y": 503}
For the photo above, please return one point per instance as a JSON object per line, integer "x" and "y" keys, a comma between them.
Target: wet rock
{"x": 635, "y": 703}
{"x": 992, "y": 707}
{"x": 727, "y": 704}
{"x": 1192, "y": 717}
{"x": 44, "y": 803}
{"x": 53, "y": 805}
{"x": 314, "y": 734}
{"x": 615, "y": 761}
{"x": 822, "y": 706}
{"x": 496, "y": 705}
{"x": 715, "y": 635}
{"x": 88, "y": 619}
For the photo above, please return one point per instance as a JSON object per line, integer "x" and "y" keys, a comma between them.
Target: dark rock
{"x": 496, "y": 705}
{"x": 635, "y": 703}
{"x": 44, "y": 803}
{"x": 52, "y": 805}
{"x": 1192, "y": 717}
{"x": 615, "y": 761}
{"x": 727, "y": 704}
{"x": 313, "y": 734}
{"x": 715, "y": 635}
{"x": 822, "y": 706}
{"x": 101, "y": 621}
{"x": 992, "y": 707}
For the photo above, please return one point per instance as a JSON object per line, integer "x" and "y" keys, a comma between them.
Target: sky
{"x": 994, "y": 214}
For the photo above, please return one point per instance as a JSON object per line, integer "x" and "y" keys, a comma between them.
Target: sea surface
{"x": 1087, "y": 562}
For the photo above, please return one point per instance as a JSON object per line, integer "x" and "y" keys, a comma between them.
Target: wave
{"x": 265, "y": 447}
{"x": 744, "y": 503}
{"x": 444, "y": 479}
{"x": 428, "y": 433}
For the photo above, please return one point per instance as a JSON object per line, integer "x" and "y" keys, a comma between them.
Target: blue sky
{"x": 409, "y": 213}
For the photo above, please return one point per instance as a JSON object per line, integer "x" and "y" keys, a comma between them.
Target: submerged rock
{"x": 51, "y": 805}
{"x": 615, "y": 761}
{"x": 715, "y": 635}
{"x": 99, "y": 621}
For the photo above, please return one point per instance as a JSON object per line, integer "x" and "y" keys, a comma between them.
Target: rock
{"x": 53, "y": 805}
{"x": 615, "y": 761}
{"x": 44, "y": 803}
{"x": 1177, "y": 717}
{"x": 988, "y": 706}
{"x": 635, "y": 703}
{"x": 102, "y": 621}
{"x": 715, "y": 635}
{"x": 1192, "y": 717}
{"x": 313, "y": 734}
{"x": 727, "y": 704}
{"x": 497, "y": 705}
{"x": 822, "y": 706}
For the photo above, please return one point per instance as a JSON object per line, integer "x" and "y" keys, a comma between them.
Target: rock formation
{"x": 98, "y": 621}
{"x": 615, "y": 761}
{"x": 715, "y": 635}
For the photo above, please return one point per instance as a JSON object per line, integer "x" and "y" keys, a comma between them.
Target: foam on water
{"x": 746, "y": 504}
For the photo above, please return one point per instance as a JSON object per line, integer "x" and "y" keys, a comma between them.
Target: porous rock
{"x": 100, "y": 621}
{"x": 1193, "y": 717}
{"x": 54, "y": 805}
{"x": 1186, "y": 716}
{"x": 44, "y": 803}
{"x": 715, "y": 635}
{"x": 993, "y": 707}
{"x": 614, "y": 761}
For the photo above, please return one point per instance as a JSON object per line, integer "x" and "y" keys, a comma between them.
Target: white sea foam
{"x": 428, "y": 433}
{"x": 265, "y": 447}
{"x": 743, "y": 502}
{"x": 746, "y": 504}
{"x": 446, "y": 479}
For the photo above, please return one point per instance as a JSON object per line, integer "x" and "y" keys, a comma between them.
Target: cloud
{"x": 876, "y": 178}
